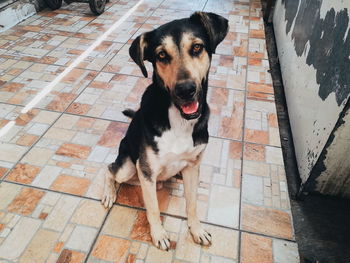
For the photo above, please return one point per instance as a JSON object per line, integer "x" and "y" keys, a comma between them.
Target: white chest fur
{"x": 176, "y": 149}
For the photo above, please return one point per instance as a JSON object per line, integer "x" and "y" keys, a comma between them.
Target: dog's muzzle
{"x": 188, "y": 104}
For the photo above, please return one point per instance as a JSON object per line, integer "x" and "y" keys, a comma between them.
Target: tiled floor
{"x": 53, "y": 160}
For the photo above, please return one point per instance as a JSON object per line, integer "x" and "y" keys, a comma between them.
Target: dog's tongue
{"x": 190, "y": 108}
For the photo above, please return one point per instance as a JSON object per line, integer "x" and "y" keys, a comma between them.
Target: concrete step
{"x": 14, "y": 11}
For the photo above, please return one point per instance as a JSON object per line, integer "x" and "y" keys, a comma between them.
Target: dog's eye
{"x": 161, "y": 55}
{"x": 197, "y": 49}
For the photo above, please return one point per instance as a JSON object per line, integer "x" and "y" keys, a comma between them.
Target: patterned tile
{"x": 22, "y": 89}
{"x": 72, "y": 156}
{"x": 261, "y": 124}
{"x": 257, "y": 48}
{"x": 258, "y": 71}
{"x": 25, "y": 133}
{"x": 182, "y": 5}
{"x": 40, "y": 226}
{"x": 235, "y": 44}
{"x": 256, "y": 29}
{"x": 228, "y": 72}
{"x": 73, "y": 47}
{"x": 262, "y": 249}
{"x": 227, "y": 7}
{"x": 108, "y": 95}
{"x": 133, "y": 242}
{"x": 218, "y": 192}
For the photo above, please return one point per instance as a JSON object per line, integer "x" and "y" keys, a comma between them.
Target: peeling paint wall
{"x": 313, "y": 43}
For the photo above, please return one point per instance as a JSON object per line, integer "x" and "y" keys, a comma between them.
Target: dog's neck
{"x": 178, "y": 122}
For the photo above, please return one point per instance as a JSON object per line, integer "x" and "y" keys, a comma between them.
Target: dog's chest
{"x": 176, "y": 148}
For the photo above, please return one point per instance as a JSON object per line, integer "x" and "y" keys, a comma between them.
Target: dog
{"x": 169, "y": 132}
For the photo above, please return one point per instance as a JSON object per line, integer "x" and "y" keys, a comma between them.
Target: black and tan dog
{"x": 168, "y": 134}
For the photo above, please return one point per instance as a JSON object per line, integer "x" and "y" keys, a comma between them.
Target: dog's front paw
{"x": 109, "y": 196}
{"x": 160, "y": 238}
{"x": 200, "y": 235}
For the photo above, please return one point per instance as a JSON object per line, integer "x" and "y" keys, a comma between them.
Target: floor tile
{"x": 268, "y": 221}
{"x": 218, "y": 192}
{"x": 262, "y": 249}
{"x": 22, "y": 89}
{"x": 228, "y": 72}
{"x": 181, "y": 5}
{"x": 27, "y": 130}
{"x": 40, "y": 226}
{"x": 261, "y": 124}
{"x": 134, "y": 241}
{"x": 257, "y": 48}
{"x": 256, "y": 29}
{"x": 72, "y": 157}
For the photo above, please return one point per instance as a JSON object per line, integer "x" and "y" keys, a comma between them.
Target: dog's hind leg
{"x": 122, "y": 170}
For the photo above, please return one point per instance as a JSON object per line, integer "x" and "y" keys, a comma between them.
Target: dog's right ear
{"x": 137, "y": 52}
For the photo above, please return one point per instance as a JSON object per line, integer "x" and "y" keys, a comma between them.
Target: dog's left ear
{"x": 215, "y": 25}
{"x": 137, "y": 52}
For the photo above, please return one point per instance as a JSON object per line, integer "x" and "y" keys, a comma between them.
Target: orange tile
{"x": 58, "y": 247}
{"x": 85, "y": 122}
{"x": 74, "y": 150}
{"x": 273, "y": 121}
{"x": 235, "y": 150}
{"x": 254, "y": 152}
{"x": 231, "y": 128}
{"x": 70, "y": 184}
{"x": 79, "y": 108}
{"x": 267, "y": 221}
{"x": 61, "y": 101}
{"x": 260, "y": 96}
{"x": 113, "y": 134}
{"x": 24, "y": 119}
{"x": 256, "y": 136}
{"x": 254, "y": 62}
{"x": 43, "y": 216}
{"x": 111, "y": 249}
{"x": 26, "y": 201}
{"x": 260, "y": 87}
{"x": 256, "y": 249}
{"x": 131, "y": 258}
{"x": 2, "y": 226}
{"x": 70, "y": 256}
{"x": 27, "y": 140}
{"x": 219, "y": 96}
{"x": 132, "y": 195}
{"x": 23, "y": 173}
{"x": 141, "y": 230}
{"x": 3, "y": 171}
{"x": 257, "y": 33}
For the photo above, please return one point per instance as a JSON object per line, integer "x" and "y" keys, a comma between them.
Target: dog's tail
{"x": 129, "y": 113}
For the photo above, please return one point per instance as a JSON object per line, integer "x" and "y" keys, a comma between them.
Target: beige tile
{"x": 256, "y": 249}
{"x": 38, "y": 156}
{"x": 224, "y": 206}
{"x": 157, "y": 255}
{"x": 61, "y": 213}
{"x": 11, "y": 152}
{"x": 81, "y": 238}
{"x": 59, "y": 134}
{"x": 7, "y": 193}
{"x": 120, "y": 216}
{"x": 19, "y": 238}
{"x": 40, "y": 247}
{"x": 186, "y": 249}
{"x": 225, "y": 242}
{"x": 89, "y": 213}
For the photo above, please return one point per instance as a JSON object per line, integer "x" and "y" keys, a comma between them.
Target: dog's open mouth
{"x": 190, "y": 110}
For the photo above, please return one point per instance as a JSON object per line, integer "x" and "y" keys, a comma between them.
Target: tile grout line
{"x": 243, "y": 144}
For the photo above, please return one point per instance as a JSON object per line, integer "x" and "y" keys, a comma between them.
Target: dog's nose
{"x": 185, "y": 90}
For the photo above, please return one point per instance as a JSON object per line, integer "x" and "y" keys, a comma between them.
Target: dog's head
{"x": 180, "y": 52}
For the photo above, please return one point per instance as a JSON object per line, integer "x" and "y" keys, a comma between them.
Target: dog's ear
{"x": 137, "y": 52}
{"x": 215, "y": 25}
